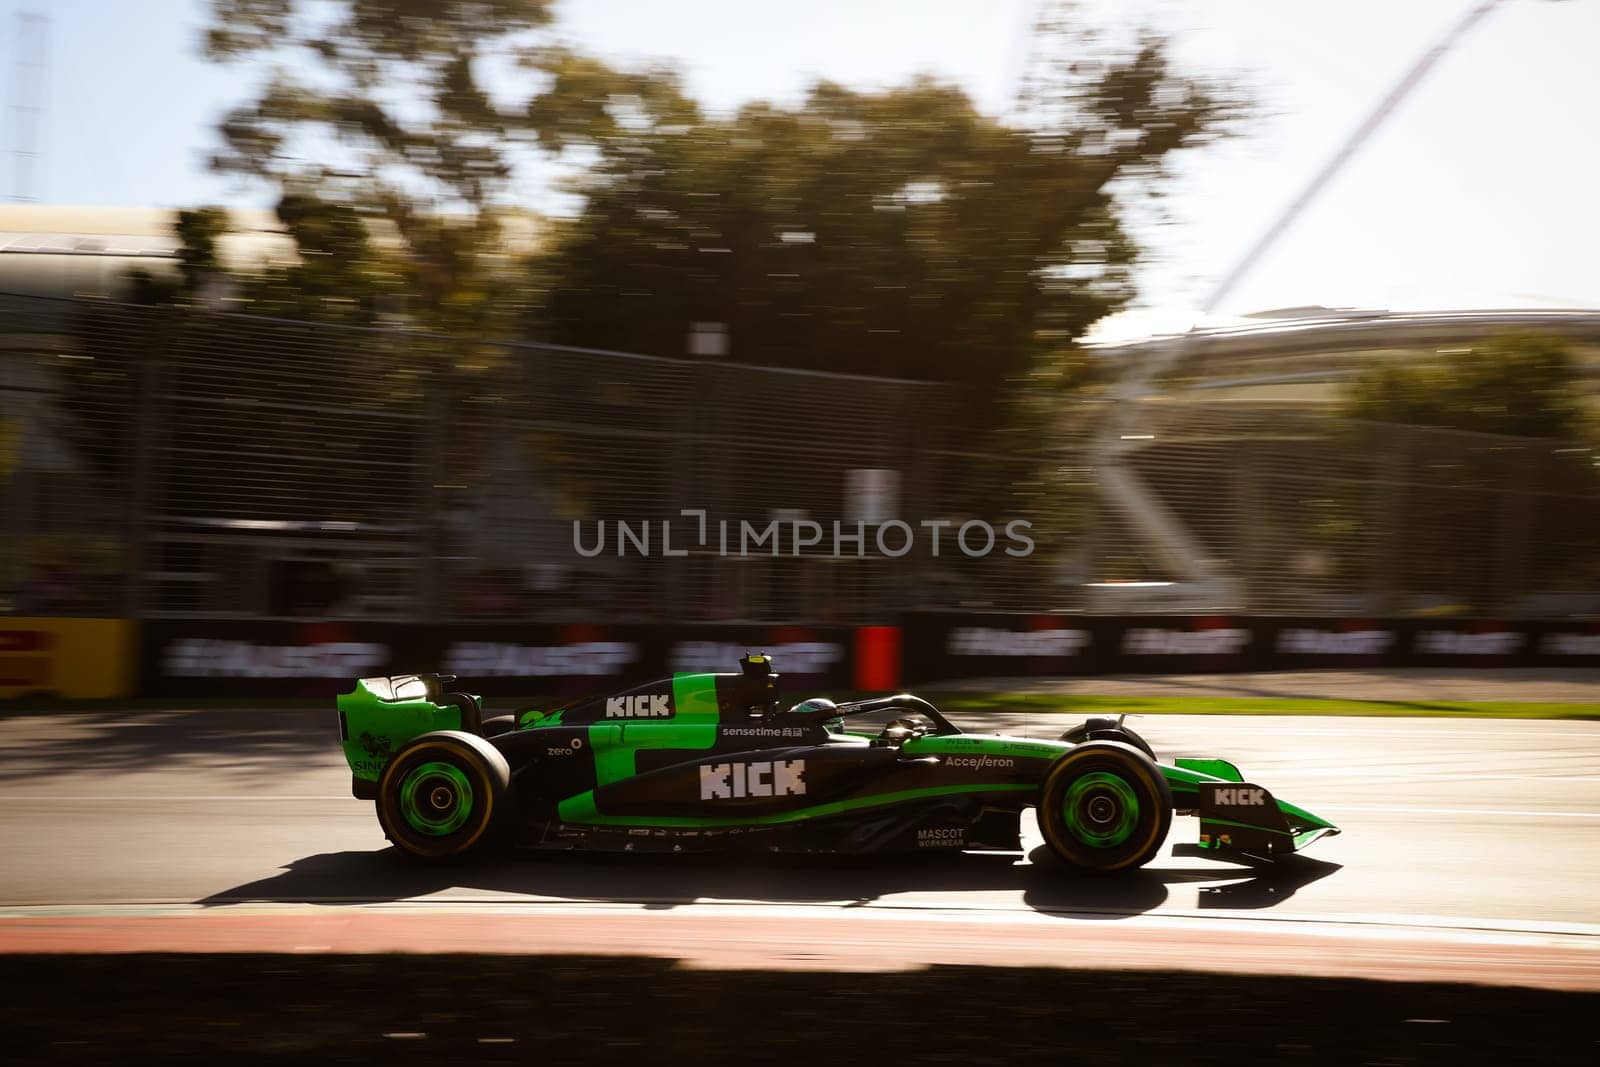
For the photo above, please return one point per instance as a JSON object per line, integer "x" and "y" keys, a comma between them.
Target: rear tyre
{"x": 1105, "y": 807}
{"x": 471, "y": 711}
{"x": 444, "y": 795}
{"x": 499, "y": 724}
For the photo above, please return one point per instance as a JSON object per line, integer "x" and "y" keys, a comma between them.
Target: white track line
{"x": 1376, "y": 925}
{"x": 135, "y": 798}
{"x": 1378, "y": 809}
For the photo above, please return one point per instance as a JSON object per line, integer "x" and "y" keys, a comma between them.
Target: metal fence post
{"x": 683, "y": 491}
{"x": 927, "y": 466}
{"x": 1248, "y": 520}
{"x": 149, "y": 417}
{"x": 431, "y": 538}
{"x": 1393, "y": 471}
{"x": 1515, "y": 520}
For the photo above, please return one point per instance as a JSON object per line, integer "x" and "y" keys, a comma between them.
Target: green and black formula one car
{"x": 701, "y": 762}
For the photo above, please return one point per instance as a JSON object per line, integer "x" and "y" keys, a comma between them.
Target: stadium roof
{"x": 88, "y": 251}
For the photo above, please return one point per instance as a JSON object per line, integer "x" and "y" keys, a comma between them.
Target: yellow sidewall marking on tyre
{"x": 384, "y": 794}
{"x": 1047, "y": 824}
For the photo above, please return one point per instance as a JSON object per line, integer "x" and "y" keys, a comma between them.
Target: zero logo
{"x": 571, "y": 748}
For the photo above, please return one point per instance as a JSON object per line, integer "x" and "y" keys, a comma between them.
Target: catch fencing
{"x": 158, "y": 462}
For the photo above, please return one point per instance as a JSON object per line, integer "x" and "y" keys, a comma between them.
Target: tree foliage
{"x": 893, "y": 233}
{"x": 393, "y": 159}
{"x": 1516, "y": 383}
{"x": 898, "y": 233}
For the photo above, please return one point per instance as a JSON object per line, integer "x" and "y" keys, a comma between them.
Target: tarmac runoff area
{"x": 1470, "y": 854}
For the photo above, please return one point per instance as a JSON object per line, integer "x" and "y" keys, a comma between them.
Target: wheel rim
{"x": 435, "y": 799}
{"x": 1101, "y": 809}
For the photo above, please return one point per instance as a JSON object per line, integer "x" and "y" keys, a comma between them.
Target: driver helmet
{"x": 900, "y": 731}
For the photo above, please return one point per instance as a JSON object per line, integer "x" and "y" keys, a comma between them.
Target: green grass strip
{"x": 968, "y": 701}
{"x": 1077, "y": 704}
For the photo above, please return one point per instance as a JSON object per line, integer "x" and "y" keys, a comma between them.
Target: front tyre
{"x": 1107, "y": 730}
{"x": 1105, "y": 807}
{"x": 443, "y": 794}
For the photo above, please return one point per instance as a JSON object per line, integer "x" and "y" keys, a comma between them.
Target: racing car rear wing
{"x": 397, "y": 688}
{"x": 380, "y": 714}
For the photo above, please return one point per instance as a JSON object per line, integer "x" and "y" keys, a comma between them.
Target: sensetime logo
{"x": 894, "y": 538}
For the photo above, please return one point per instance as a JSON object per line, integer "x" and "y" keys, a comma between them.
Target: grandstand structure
{"x": 91, "y": 251}
{"x": 1298, "y": 357}
{"x": 1248, "y": 489}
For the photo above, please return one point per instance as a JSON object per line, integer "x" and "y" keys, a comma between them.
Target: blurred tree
{"x": 338, "y": 275}
{"x": 1519, "y": 384}
{"x": 894, "y": 233}
{"x": 392, "y": 158}
{"x": 198, "y": 231}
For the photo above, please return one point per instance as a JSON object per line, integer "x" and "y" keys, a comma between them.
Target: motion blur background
{"x": 1249, "y": 309}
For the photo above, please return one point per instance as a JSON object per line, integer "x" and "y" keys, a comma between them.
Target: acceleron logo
{"x": 980, "y": 763}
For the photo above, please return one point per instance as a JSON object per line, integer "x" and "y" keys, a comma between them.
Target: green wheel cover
{"x": 435, "y": 798}
{"x": 1100, "y": 809}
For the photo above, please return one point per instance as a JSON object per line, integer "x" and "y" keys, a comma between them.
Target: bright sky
{"x": 1479, "y": 192}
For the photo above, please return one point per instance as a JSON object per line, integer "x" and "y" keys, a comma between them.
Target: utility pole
{"x": 1336, "y": 162}
{"x": 1162, "y": 530}
{"x": 27, "y": 105}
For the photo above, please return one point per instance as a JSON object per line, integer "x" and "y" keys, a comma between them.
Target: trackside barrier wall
{"x": 232, "y": 658}
{"x": 83, "y": 659}
{"x": 190, "y": 658}
{"x": 944, "y": 647}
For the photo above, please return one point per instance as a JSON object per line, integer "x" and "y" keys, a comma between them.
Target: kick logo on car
{"x": 638, "y": 706}
{"x": 1248, "y": 798}
{"x": 758, "y": 778}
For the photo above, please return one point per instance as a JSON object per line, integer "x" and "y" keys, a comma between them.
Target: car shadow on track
{"x": 664, "y": 882}
{"x": 233, "y": 744}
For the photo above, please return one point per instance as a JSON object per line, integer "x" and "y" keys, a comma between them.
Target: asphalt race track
{"x": 1471, "y": 852}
